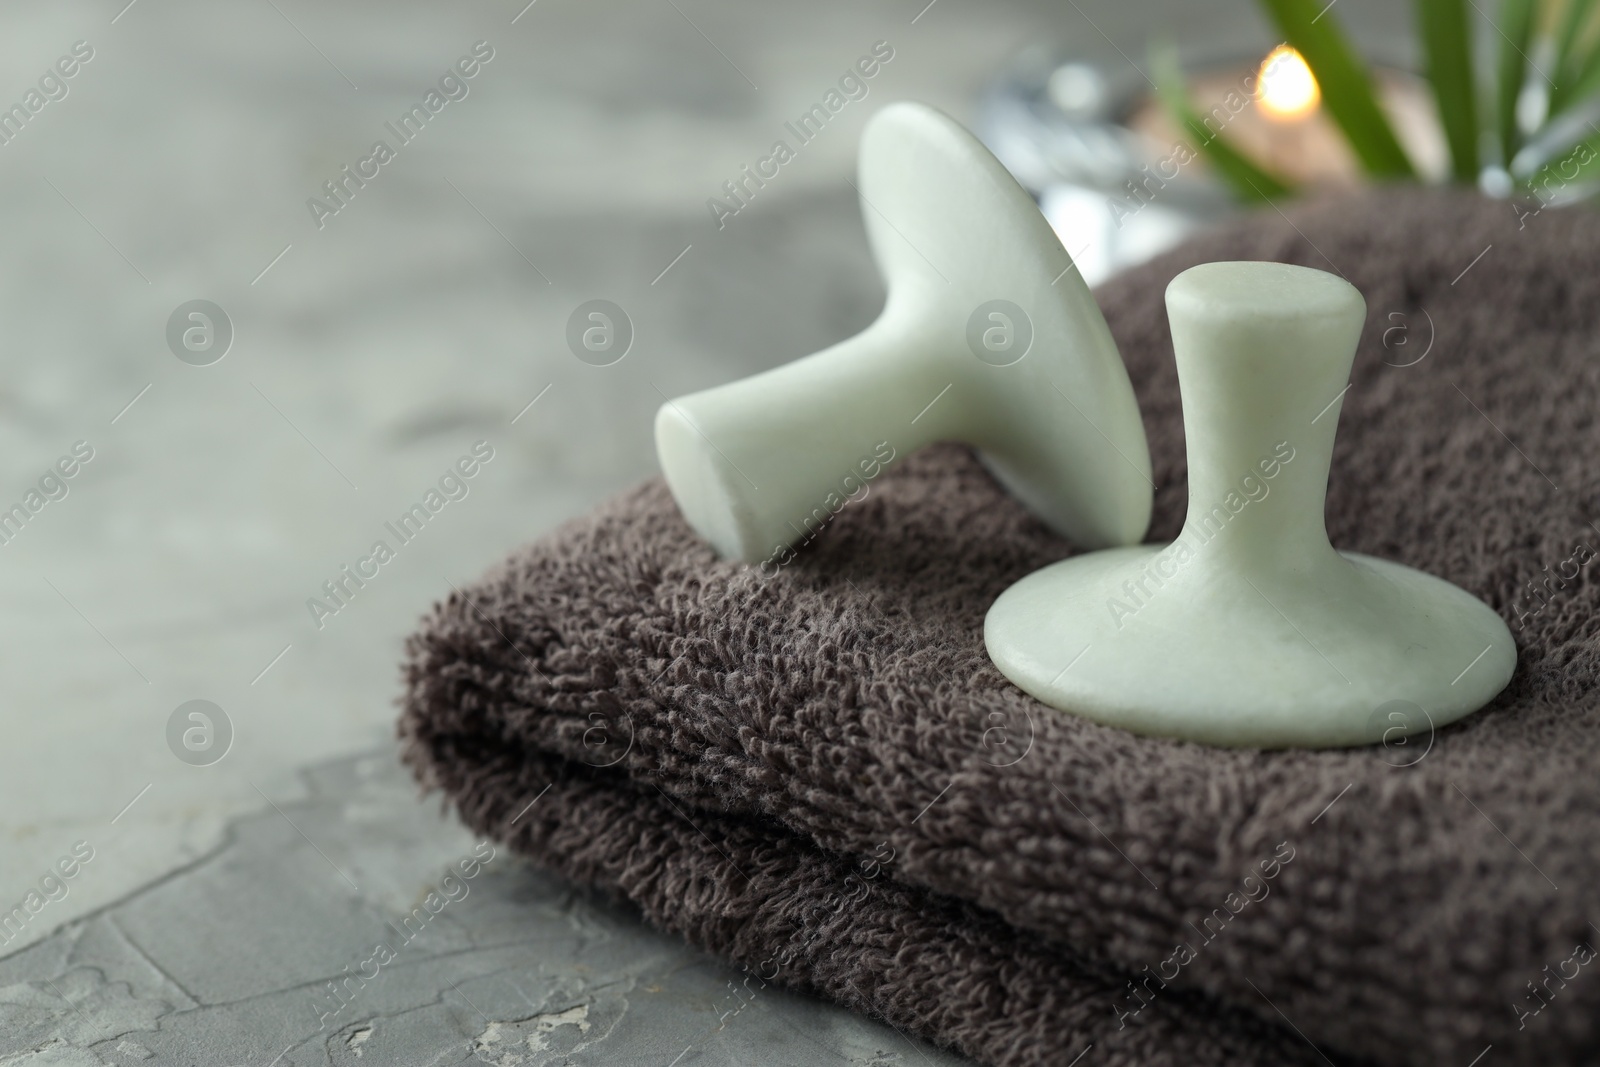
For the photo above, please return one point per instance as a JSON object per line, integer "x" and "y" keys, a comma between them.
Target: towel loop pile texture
{"x": 816, "y": 773}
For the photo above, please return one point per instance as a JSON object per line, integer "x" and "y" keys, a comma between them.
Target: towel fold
{"x": 813, "y": 771}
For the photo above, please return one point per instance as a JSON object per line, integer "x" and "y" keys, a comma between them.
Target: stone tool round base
{"x": 1156, "y": 641}
{"x": 1250, "y": 630}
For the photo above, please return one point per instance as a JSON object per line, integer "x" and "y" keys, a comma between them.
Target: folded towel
{"x": 811, "y": 769}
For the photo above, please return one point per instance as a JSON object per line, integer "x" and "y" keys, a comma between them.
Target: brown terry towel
{"x": 816, "y": 773}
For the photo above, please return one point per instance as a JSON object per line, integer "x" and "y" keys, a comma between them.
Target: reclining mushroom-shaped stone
{"x": 989, "y": 336}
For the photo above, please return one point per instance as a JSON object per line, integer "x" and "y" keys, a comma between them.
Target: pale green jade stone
{"x": 1035, "y": 381}
{"x": 1250, "y": 629}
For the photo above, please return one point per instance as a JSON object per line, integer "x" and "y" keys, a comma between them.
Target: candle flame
{"x": 1288, "y": 90}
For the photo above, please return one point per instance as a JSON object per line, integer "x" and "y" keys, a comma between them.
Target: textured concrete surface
{"x": 394, "y": 938}
{"x": 367, "y": 355}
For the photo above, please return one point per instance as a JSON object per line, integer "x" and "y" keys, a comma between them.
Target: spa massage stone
{"x": 989, "y": 336}
{"x": 1250, "y": 629}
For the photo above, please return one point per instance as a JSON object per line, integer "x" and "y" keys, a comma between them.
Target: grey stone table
{"x": 172, "y": 151}
{"x": 277, "y": 948}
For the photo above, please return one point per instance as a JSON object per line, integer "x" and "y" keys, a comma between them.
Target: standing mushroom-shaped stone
{"x": 1250, "y": 629}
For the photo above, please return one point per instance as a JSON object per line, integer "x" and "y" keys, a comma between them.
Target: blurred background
{"x": 343, "y": 357}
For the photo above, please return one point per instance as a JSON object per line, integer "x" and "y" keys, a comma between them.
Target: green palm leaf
{"x": 1570, "y": 60}
{"x": 1578, "y": 74}
{"x": 1447, "y": 51}
{"x": 1516, "y": 33}
{"x": 1346, "y": 86}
